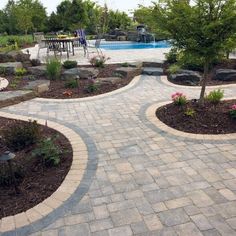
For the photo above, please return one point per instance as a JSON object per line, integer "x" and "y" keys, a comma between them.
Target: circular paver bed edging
{"x": 3, "y": 83}
{"x": 133, "y": 83}
{"x": 66, "y": 189}
{"x": 151, "y": 116}
{"x": 165, "y": 81}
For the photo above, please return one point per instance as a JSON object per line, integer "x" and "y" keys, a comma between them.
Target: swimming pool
{"x": 134, "y": 45}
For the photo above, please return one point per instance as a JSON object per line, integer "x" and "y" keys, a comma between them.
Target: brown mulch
{"x": 57, "y": 88}
{"x": 227, "y": 64}
{"x": 35, "y": 182}
{"x": 208, "y": 119}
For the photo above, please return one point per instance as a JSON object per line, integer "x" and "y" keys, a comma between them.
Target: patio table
{"x": 61, "y": 44}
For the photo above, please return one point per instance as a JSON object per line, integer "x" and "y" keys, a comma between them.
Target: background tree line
{"x": 27, "y": 16}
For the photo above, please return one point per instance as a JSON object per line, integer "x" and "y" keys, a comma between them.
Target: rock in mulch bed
{"x": 35, "y": 181}
{"x": 207, "y": 119}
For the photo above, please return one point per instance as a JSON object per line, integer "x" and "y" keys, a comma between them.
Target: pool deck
{"x": 116, "y": 56}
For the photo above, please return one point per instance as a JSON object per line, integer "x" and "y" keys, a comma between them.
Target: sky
{"x": 124, "y": 5}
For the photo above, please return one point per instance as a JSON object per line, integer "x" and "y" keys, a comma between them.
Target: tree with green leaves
{"x": 200, "y": 27}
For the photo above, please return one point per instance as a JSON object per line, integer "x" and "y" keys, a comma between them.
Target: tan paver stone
{"x": 21, "y": 220}
{"x": 200, "y": 198}
{"x": 124, "y": 168}
{"x": 179, "y": 202}
{"x": 152, "y": 222}
{"x": 160, "y": 206}
{"x": 209, "y": 175}
{"x": 228, "y": 194}
{"x": 33, "y": 215}
{"x": 43, "y": 209}
{"x": 232, "y": 171}
{"x": 7, "y": 224}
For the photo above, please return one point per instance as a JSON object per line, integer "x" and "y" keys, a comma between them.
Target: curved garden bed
{"x": 194, "y": 118}
{"x": 39, "y": 166}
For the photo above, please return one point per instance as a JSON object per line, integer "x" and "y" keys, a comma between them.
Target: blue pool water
{"x": 125, "y": 45}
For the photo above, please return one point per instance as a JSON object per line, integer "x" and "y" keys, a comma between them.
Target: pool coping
{"x": 150, "y": 114}
{"x": 64, "y": 191}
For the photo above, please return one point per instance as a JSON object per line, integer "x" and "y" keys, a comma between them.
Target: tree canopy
{"x": 202, "y": 28}
{"x": 23, "y": 16}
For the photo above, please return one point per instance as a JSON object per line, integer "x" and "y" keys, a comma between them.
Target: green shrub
{"x": 3, "y": 71}
{"x": 98, "y": 61}
{"x": 92, "y": 86}
{"x": 173, "y": 69}
{"x": 53, "y": 67}
{"x": 71, "y": 84}
{"x": 215, "y": 96}
{"x": 48, "y": 152}
{"x": 190, "y": 62}
{"x": 171, "y": 56}
{"x": 20, "y": 71}
{"x": 35, "y": 62}
{"x": 17, "y": 137}
{"x": 125, "y": 64}
{"x": 70, "y": 64}
{"x": 190, "y": 112}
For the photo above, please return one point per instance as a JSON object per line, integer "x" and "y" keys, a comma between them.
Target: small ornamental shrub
{"x": 71, "y": 84}
{"x": 215, "y": 96}
{"x": 35, "y": 62}
{"x": 179, "y": 99}
{"x": 48, "y": 152}
{"x": 125, "y": 64}
{"x": 232, "y": 111}
{"x": 53, "y": 69}
{"x": 98, "y": 61}
{"x": 20, "y": 71}
{"x": 190, "y": 112}
{"x": 70, "y": 64}
{"x": 92, "y": 86}
{"x": 21, "y": 136}
{"x": 174, "y": 69}
{"x": 172, "y": 56}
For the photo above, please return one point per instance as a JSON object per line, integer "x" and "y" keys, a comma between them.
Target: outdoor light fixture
{"x": 8, "y": 157}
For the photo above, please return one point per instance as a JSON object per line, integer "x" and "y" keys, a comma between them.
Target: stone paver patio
{"x": 143, "y": 181}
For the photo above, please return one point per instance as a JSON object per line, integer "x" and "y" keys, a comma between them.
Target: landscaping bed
{"x": 70, "y": 88}
{"x": 36, "y": 177}
{"x": 208, "y": 119}
{"x": 212, "y": 80}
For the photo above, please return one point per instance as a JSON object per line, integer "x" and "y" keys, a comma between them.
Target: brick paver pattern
{"x": 147, "y": 182}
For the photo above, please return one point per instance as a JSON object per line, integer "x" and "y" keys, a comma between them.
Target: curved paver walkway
{"x": 147, "y": 182}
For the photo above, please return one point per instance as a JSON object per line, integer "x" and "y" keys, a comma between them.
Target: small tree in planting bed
{"x": 201, "y": 28}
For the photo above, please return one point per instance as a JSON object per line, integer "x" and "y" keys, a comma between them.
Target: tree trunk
{"x": 204, "y": 82}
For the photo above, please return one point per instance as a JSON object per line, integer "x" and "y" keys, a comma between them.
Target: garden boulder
{"x": 10, "y": 67}
{"x": 109, "y": 80}
{"x": 225, "y": 75}
{"x": 125, "y": 71}
{"x": 70, "y": 74}
{"x": 87, "y": 72}
{"x": 187, "y": 77}
{"x": 38, "y": 70}
{"x": 38, "y": 85}
{"x": 14, "y": 56}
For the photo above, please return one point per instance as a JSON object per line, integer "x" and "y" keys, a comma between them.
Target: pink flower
{"x": 233, "y": 107}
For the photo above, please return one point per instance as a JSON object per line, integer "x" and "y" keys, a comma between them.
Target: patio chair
{"x": 39, "y": 37}
{"x": 83, "y": 42}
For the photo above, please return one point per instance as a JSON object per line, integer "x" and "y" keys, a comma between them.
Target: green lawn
{"x": 21, "y": 40}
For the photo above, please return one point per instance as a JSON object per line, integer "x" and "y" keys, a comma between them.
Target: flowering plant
{"x": 67, "y": 93}
{"x": 179, "y": 99}
{"x": 99, "y": 61}
{"x": 232, "y": 111}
